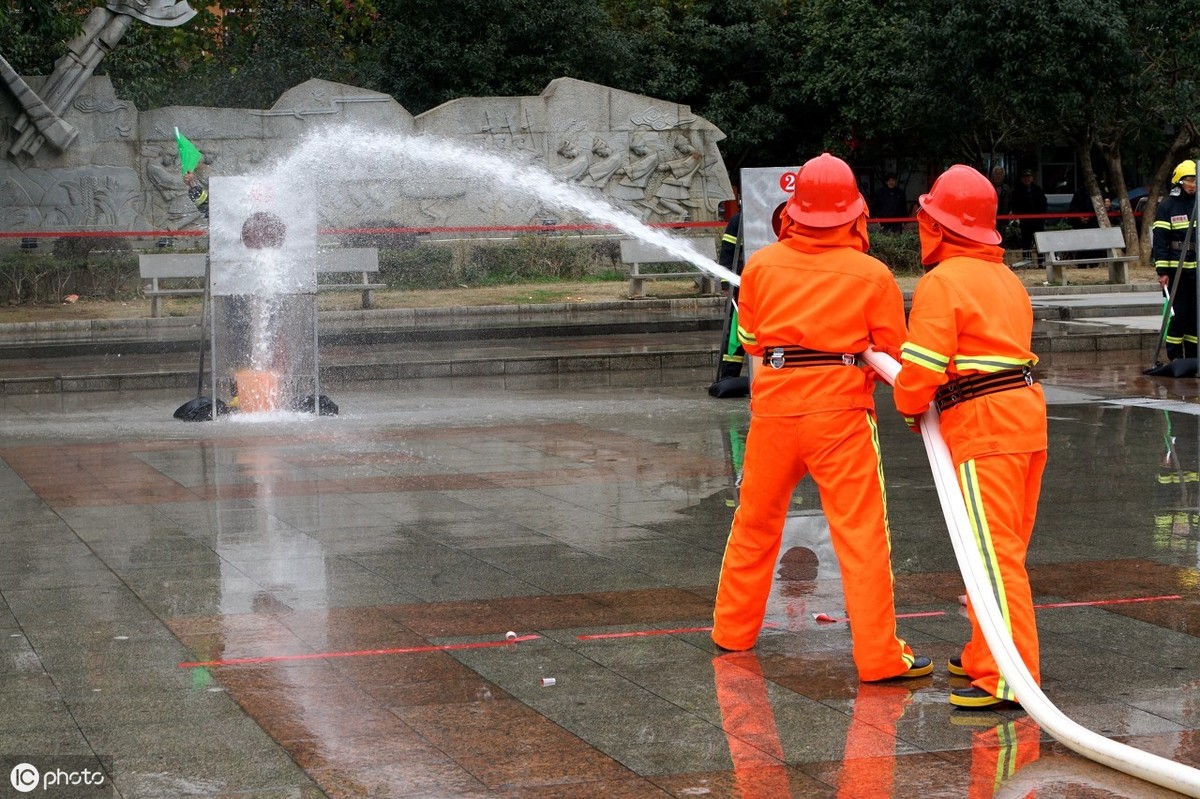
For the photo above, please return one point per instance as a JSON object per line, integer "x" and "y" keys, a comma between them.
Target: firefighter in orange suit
{"x": 809, "y": 304}
{"x": 968, "y": 352}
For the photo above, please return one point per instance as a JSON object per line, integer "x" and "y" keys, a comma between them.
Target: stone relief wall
{"x": 120, "y": 172}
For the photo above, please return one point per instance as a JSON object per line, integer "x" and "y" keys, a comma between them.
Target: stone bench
{"x": 180, "y": 266}
{"x": 1058, "y": 247}
{"x": 635, "y": 253}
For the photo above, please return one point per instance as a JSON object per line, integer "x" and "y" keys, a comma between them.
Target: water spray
{"x": 420, "y": 158}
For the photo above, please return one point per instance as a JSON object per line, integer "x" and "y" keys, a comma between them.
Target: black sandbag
{"x": 1180, "y": 367}
{"x": 199, "y": 409}
{"x": 306, "y": 404}
{"x": 728, "y": 387}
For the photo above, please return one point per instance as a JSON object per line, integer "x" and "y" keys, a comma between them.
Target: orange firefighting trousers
{"x": 1001, "y": 493}
{"x": 841, "y": 450}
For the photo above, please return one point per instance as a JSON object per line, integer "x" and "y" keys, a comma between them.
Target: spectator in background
{"x": 1028, "y": 198}
{"x": 1003, "y": 191}
{"x": 889, "y": 202}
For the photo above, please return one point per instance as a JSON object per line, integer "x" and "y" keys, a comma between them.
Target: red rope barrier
{"x": 420, "y": 231}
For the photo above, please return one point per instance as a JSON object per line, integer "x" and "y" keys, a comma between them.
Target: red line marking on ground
{"x": 354, "y": 654}
{"x": 1109, "y": 601}
{"x": 820, "y": 617}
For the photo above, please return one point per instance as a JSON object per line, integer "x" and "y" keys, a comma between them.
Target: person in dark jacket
{"x": 1028, "y": 198}
{"x": 732, "y": 257}
{"x": 197, "y": 193}
{"x": 1172, "y": 222}
{"x": 1003, "y": 192}
{"x": 889, "y": 202}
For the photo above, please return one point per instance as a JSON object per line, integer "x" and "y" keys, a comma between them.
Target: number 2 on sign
{"x": 787, "y": 182}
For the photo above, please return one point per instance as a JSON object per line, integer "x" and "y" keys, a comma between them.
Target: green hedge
{"x": 900, "y": 251}
{"x": 46, "y": 279}
{"x": 524, "y": 259}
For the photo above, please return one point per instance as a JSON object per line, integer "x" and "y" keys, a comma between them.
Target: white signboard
{"x": 765, "y": 190}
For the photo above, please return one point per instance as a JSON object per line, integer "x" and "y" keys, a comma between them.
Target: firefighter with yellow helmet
{"x": 1172, "y": 222}
{"x": 969, "y": 352}
{"x": 809, "y": 304}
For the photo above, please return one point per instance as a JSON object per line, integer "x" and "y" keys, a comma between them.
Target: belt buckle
{"x": 848, "y": 358}
{"x": 777, "y": 358}
{"x": 1028, "y": 375}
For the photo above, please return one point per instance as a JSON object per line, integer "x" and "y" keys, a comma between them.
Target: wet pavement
{"x": 283, "y": 606}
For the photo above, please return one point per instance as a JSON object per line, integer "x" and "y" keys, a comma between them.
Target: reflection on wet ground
{"x": 306, "y": 608}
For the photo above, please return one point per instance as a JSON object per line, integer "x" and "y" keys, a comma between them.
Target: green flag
{"x": 189, "y": 156}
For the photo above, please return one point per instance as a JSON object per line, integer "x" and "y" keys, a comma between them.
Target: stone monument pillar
{"x": 41, "y": 120}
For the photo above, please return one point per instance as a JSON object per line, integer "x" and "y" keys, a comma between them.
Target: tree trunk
{"x": 1133, "y": 241}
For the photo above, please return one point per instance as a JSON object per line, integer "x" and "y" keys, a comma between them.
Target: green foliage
{"x": 526, "y": 259}
{"x": 900, "y": 251}
{"x": 41, "y": 279}
{"x": 423, "y": 266}
{"x": 74, "y": 250}
{"x": 266, "y": 48}
{"x": 36, "y": 34}
{"x": 490, "y": 48}
{"x": 158, "y": 66}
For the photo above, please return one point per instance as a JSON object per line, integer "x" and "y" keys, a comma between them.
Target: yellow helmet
{"x": 1183, "y": 170}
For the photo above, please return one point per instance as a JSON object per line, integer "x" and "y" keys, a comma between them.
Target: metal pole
{"x": 1183, "y": 255}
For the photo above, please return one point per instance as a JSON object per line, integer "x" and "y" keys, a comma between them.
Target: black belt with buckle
{"x": 791, "y": 357}
{"x": 975, "y": 386}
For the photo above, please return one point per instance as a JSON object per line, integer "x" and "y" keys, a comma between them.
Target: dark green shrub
{"x": 900, "y": 251}
{"x": 74, "y": 250}
{"x": 527, "y": 258}
{"x": 109, "y": 275}
{"x": 421, "y": 266}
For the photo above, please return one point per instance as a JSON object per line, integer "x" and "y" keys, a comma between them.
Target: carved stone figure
{"x": 601, "y": 166}
{"x": 576, "y": 163}
{"x": 630, "y": 189}
{"x": 163, "y": 172}
{"x": 675, "y": 191}
{"x": 164, "y": 13}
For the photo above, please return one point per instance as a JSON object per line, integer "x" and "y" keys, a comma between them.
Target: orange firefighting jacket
{"x": 971, "y": 315}
{"x": 817, "y": 288}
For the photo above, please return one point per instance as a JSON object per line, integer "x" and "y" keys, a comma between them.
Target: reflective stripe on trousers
{"x": 1001, "y": 493}
{"x": 841, "y": 451}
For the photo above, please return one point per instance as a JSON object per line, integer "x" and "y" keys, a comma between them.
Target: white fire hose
{"x": 1144, "y": 765}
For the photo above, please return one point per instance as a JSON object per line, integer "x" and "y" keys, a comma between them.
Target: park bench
{"x": 1063, "y": 248}
{"x": 636, "y": 253}
{"x": 172, "y": 267}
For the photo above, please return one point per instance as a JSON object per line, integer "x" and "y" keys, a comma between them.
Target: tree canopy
{"x": 903, "y": 82}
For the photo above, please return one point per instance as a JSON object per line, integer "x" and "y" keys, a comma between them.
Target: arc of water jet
{"x": 1141, "y": 764}
{"x": 487, "y": 169}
